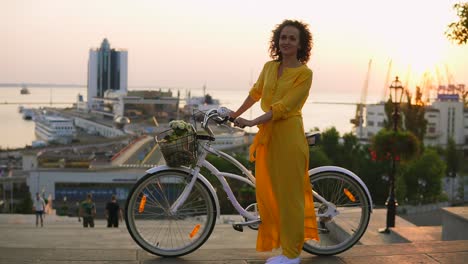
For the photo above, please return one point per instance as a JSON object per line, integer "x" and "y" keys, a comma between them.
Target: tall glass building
{"x": 107, "y": 70}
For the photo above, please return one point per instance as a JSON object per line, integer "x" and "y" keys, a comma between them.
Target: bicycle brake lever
{"x": 228, "y": 127}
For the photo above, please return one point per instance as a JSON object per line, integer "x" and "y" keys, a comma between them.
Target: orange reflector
{"x": 141, "y": 208}
{"x": 194, "y": 231}
{"x": 349, "y": 194}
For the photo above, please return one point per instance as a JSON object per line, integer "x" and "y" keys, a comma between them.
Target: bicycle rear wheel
{"x": 341, "y": 231}
{"x": 157, "y": 230}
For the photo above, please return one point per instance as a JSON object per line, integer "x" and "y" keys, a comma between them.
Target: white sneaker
{"x": 270, "y": 260}
{"x": 281, "y": 259}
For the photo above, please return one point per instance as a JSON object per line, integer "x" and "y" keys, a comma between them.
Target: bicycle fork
{"x": 185, "y": 193}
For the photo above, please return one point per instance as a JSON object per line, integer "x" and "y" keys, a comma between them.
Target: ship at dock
{"x": 54, "y": 129}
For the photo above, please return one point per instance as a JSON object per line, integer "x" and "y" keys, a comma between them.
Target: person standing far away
{"x": 78, "y": 211}
{"x": 39, "y": 207}
{"x": 280, "y": 149}
{"x": 88, "y": 211}
{"x": 113, "y": 213}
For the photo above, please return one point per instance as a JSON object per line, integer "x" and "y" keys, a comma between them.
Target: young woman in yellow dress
{"x": 280, "y": 149}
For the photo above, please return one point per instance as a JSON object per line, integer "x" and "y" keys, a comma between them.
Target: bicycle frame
{"x": 249, "y": 179}
{"x": 194, "y": 191}
{"x": 221, "y": 176}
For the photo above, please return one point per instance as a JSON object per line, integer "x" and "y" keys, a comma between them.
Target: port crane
{"x": 358, "y": 119}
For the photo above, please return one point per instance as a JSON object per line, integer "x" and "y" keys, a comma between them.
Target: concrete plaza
{"x": 63, "y": 240}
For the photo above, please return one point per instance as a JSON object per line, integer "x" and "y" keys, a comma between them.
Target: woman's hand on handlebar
{"x": 241, "y": 122}
{"x": 233, "y": 117}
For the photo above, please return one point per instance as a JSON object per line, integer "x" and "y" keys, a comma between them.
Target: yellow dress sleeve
{"x": 294, "y": 99}
{"x": 256, "y": 91}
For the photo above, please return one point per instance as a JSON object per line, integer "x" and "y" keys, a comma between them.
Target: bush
{"x": 401, "y": 144}
{"x": 422, "y": 179}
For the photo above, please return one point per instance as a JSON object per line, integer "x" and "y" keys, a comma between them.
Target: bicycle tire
{"x": 344, "y": 230}
{"x": 155, "y": 229}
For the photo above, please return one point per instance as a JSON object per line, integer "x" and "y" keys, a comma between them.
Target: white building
{"x": 107, "y": 70}
{"x": 54, "y": 128}
{"x": 446, "y": 118}
{"x": 374, "y": 117}
{"x": 95, "y": 128}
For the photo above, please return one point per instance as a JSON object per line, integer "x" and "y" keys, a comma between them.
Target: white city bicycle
{"x": 171, "y": 211}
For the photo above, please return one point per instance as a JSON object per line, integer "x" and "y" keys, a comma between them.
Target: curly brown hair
{"x": 305, "y": 39}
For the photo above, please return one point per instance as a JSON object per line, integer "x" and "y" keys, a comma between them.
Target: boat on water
{"x": 24, "y": 89}
{"x": 55, "y": 129}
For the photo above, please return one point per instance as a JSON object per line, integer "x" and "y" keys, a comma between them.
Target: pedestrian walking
{"x": 113, "y": 213}
{"x": 88, "y": 211}
{"x": 39, "y": 207}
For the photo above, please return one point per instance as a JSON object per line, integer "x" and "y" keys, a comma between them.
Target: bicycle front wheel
{"x": 155, "y": 228}
{"x": 343, "y": 228}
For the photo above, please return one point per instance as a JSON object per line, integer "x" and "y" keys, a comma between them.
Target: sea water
{"x": 321, "y": 110}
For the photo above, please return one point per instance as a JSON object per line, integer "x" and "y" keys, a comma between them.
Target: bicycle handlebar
{"x": 219, "y": 115}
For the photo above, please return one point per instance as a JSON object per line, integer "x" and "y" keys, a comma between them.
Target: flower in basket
{"x": 179, "y": 128}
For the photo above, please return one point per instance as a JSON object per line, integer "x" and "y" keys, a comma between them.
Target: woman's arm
{"x": 248, "y": 102}
{"x": 241, "y": 122}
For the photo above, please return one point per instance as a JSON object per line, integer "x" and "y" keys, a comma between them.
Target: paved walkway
{"x": 62, "y": 240}
{"x": 132, "y": 150}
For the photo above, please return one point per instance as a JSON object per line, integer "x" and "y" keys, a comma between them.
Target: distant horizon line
{"x": 73, "y": 85}
{"x": 41, "y": 84}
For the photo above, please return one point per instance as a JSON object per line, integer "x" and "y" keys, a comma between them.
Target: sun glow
{"x": 421, "y": 61}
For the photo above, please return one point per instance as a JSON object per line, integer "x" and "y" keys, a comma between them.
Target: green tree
{"x": 243, "y": 192}
{"x": 451, "y": 158}
{"x": 458, "y": 31}
{"x": 400, "y": 144}
{"x": 349, "y": 153}
{"x": 422, "y": 178}
{"x": 330, "y": 145}
{"x": 317, "y": 157}
{"x": 352, "y": 153}
{"x": 414, "y": 119}
{"x": 373, "y": 172}
{"x": 388, "y": 145}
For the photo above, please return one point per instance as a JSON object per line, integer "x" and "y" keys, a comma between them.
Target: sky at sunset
{"x": 224, "y": 44}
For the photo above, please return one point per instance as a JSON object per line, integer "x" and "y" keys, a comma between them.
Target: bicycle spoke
{"x": 338, "y": 232}
{"x": 161, "y": 231}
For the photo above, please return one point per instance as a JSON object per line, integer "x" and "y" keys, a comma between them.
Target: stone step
{"x": 434, "y": 252}
{"x": 419, "y": 233}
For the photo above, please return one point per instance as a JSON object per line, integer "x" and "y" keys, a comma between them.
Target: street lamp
{"x": 396, "y": 94}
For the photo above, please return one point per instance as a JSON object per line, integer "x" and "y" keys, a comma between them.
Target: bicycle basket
{"x": 178, "y": 152}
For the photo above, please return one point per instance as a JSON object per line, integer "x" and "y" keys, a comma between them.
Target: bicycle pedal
{"x": 238, "y": 227}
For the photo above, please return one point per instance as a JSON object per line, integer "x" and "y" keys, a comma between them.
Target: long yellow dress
{"x": 281, "y": 154}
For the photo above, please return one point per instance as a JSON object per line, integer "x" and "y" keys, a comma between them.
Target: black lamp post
{"x": 396, "y": 94}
